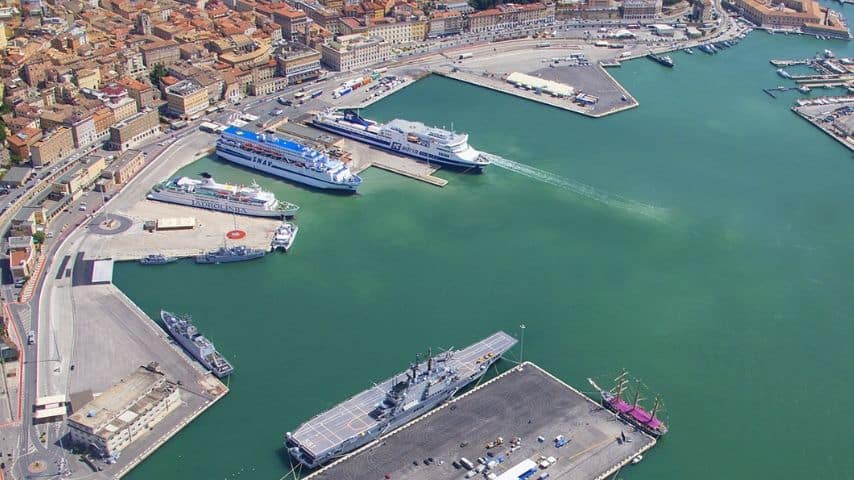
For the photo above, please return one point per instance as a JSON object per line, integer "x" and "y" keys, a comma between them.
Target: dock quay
{"x": 834, "y": 117}
{"x": 525, "y": 402}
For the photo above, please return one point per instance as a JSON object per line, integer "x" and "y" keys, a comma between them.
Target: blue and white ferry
{"x": 433, "y": 145}
{"x": 286, "y": 159}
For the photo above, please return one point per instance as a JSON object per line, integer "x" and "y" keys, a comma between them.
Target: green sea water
{"x": 702, "y": 240}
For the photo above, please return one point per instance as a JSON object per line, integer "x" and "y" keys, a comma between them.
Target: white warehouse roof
{"x": 547, "y": 86}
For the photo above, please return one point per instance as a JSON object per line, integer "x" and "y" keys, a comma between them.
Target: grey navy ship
{"x": 393, "y": 403}
{"x": 431, "y": 144}
{"x": 238, "y": 253}
{"x": 182, "y": 329}
{"x": 207, "y": 193}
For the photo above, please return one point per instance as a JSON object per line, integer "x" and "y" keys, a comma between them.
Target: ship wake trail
{"x": 578, "y": 188}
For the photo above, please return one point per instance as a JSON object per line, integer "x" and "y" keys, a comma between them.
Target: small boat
{"x": 661, "y": 59}
{"x": 637, "y": 460}
{"x": 828, "y": 53}
{"x": 284, "y": 236}
{"x": 156, "y": 259}
{"x": 689, "y": 51}
{"x": 783, "y": 73}
{"x": 804, "y": 89}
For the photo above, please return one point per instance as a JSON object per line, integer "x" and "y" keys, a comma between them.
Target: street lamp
{"x": 522, "y": 346}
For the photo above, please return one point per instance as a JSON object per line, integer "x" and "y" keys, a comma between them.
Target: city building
{"x": 21, "y": 142}
{"x": 641, "y": 9}
{"x": 122, "y": 169}
{"x": 445, "y": 22}
{"x": 293, "y": 22}
{"x": 16, "y": 176}
{"x": 143, "y": 93}
{"x": 807, "y": 15}
{"x": 298, "y": 63}
{"x": 21, "y": 257}
{"x": 88, "y": 78}
{"x": 268, "y": 86}
{"x": 124, "y": 413}
{"x": 27, "y": 221}
{"x": 118, "y": 100}
{"x": 396, "y": 32}
{"x": 134, "y": 130}
{"x": 55, "y": 145}
{"x": 164, "y": 52}
{"x": 82, "y": 124}
{"x": 702, "y": 11}
{"x": 82, "y": 175}
{"x": 352, "y": 52}
{"x": 186, "y": 98}
{"x": 104, "y": 118}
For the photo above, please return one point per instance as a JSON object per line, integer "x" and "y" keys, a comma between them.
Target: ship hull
{"x": 632, "y": 420}
{"x": 397, "y": 147}
{"x": 282, "y": 172}
{"x": 220, "y": 206}
{"x": 191, "y": 348}
{"x": 401, "y": 420}
{"x": 205, "y": 259}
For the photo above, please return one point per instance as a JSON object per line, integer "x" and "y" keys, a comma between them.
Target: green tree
{"x": 38, "y": 237}
{"x": 158, "y": 72}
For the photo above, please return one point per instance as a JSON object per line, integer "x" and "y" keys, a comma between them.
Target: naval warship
{"x": 238, "y": 253}
{"x": 394, "y": 402}
{"x": 183, "y": 330}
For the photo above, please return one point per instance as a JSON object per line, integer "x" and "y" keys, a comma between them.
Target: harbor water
{"x": 702, "y": 240}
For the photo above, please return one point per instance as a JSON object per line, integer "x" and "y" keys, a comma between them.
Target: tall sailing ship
{"x": 633, "y": 412}
{"x": 286, "y": 159}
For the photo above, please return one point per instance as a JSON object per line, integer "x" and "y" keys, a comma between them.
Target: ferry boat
{"x": 633, "y": 413}
{"x": 286, "y": 159}
{"x": 433, "y": 145}
{"x": 208, "y": 194}
{"x": 284, "y": 236}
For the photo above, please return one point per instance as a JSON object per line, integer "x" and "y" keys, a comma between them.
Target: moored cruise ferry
{"x": 207, "y": 193}
{"x": 433, "y": 145}
{"x": 286, "y": 159}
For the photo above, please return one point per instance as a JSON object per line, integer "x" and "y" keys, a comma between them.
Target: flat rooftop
{"x": 526, "y": 404}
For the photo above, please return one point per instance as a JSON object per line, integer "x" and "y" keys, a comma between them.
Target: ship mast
{"x": 655, "y": 408}
{"x": 637, "y": 396}
{"x": 621, "y": 383}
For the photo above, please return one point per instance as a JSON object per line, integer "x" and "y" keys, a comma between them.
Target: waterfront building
{"x": 445, "y": 22}
{"x": 512, "y": 15}
{"x": 186, "y": 98}
{"x": 298, "y": 62}
{"x": 352, "y": 52}
{"x": 124, "y": 413}
{"x": 268, "y": 86}
{"x": 55, "y": 145}
{"x": 807, "y": 15}
{"x": 21, "y": 257}
{"x": 396, "y": 32}
{"x": 641, "y": 9}
{"x": 134, "y": 130}
{"x": 122, "y": 169}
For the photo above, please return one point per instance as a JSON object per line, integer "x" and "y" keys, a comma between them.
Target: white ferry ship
{"x": 207, "y": 193}
{"x": 433, "y": 145}
{"x": 285, "y": 159}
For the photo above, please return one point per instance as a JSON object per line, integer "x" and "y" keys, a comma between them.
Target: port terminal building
{"x": 124, "y": 412}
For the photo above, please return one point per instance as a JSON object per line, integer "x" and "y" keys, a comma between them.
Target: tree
{"x": 38, "y": 237}
{"x": 158, "y": 72}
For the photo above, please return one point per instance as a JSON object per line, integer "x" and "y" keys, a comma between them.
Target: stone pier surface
{"x": 527, "y": 403}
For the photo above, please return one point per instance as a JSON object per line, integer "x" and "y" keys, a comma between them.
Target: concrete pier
{"x": 364, "y": 156}
{"x": 527, "y": 403}
{"x": 836, "y": 119}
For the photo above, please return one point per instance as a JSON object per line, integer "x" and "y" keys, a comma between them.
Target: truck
{"x": 464, "y": 56}
{"x": 466, "y": 463}
{"x": 316, "y": 93}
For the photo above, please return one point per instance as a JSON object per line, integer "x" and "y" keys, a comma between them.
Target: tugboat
{"x": 156, "y": 259}
{"x": 662, "y": 59}
{"x": 631, "y": 412}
